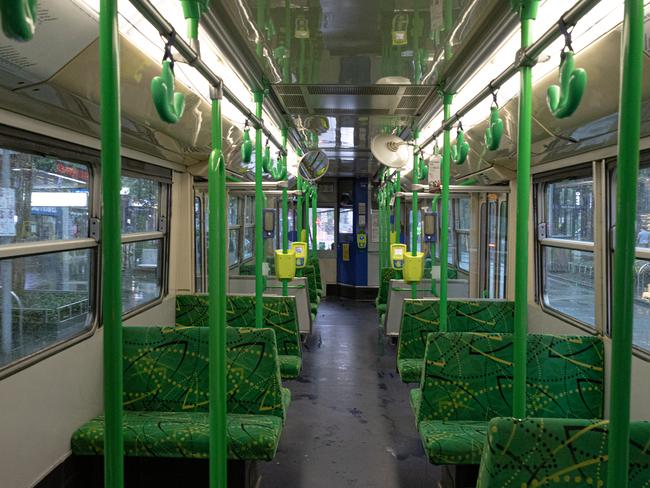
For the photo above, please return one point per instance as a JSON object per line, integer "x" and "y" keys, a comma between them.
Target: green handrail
{"x": 259, "y": 216}
{"x": 398, "y": 208}
{"x": 111, "y": 167}
{"x": 285, "y": 209}
{"x": 445, "y": 170}
{"x": 314, "y": 215}
{"x": 217, "y": 287}
{"x": 528, "y": 13}
{"x": 414, "y": 209}
{"x": 626, "y": 196}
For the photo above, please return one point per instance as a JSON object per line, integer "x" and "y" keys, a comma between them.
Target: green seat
{"x": 166, "y": 395}
{"x": 563, "y": 453}
{"x": 184, "y": 435}
{"x": 386, "y": 275}
{"x": 468, "y": 378}
{"x": 381, "y": 308}
{"x": 290, "y": 366}
{"x": 420, "y": 317}
{"x": 280, "y": 314}
{"x": 286, "y": 399}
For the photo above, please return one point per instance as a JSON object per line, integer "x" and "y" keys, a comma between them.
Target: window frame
{"x": 458, "y": 231}
{"x": 30, "y": 143}
{"x": 540, "y": 185}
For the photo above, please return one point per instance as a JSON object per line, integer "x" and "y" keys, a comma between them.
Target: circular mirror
{"x": 314, "y": 165}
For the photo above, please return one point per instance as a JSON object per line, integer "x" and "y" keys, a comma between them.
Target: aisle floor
{"x": 349, "y": 423}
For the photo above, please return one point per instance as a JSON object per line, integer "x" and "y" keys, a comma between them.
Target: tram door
{"x": 352, "y": 218}
{"x": 494, "y": 245}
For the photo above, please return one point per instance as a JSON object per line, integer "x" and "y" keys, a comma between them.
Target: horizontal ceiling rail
{"x": 193, "y": 58}
{"x": 524, "y": 57}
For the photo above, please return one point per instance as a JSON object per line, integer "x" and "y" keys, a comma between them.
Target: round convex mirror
{"x": 314, "y": 165}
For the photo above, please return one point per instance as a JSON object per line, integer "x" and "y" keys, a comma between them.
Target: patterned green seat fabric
{"x": 410, "y": 370}
{"x": 387, "y": 274}
{"x": 453, "y": 442}
{"x": 290, "y": 366}
{"x": 280, "y": 314}
{"x": 166, "y": 388}
{"x": 422, "y": 316}
{"x": 184, "y": 435}
{"x": 540, "y": 452}
{"x": 310, "y": 273}
{"x": 468, "y": 377}
{"x": 415, "y": 399}
{"x": 286, "y": 398}
{"x": 381, "y": 308}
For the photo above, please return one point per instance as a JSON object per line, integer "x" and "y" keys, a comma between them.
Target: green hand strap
{"x": 266, "y": 158}
{"x": 460, "y": 149}
{"x": 563, "y": 100}
{"x": 277, "y": 171}
{"x": 170, "y": 105}
{"x": 247, "y": 146}
{"x": 494, "y": 131}
{"x": 19, "y": 18}
{"x": 192, "y": 11}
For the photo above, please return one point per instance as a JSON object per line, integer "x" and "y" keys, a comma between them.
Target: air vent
{"x": 417, "y": 91}
{"x": 353, "y": 90}
{"x": 410, "y": 102}
{"x": 352, "y": 111}
{"x": 287, "y": 89}
{"x": 294, "y": 101}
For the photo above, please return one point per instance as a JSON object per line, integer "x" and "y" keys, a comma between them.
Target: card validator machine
{"x": 397, "y": 252}
{"x": 300, "y": 248}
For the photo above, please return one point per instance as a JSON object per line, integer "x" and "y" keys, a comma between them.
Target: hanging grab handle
{"x": 192, "y": 11}
{"x": 170, "y": 105}
{"x": 19, "y": 18}
{"x": 266, "y": 158}
{"x": 494, "y": 130}
{"x": 277, "y": 171}
{"x": 247, "y": 145}
{"x": 564, "y": 99}
{"x": 460, "y": 149}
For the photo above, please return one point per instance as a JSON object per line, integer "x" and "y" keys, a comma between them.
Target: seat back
{"x": 386, "y": 275}
{"x": 310, "y": 273}
{"x": 557, "y": 452}
{"x": 166, "y": 370}
{"x": 468, "y": 376}
{"x": 280, "y": 314}
{"x": 421, "y": 317}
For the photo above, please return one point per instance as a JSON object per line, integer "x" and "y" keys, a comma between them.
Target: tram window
{"x": 198, "y": 246}
{"x": 451, "y": 249}
{"x": 233, "y": 210}
{"x": 461, "y": 231}
{"x": 325, "y": 225}
{"x": 567, "y": 251}
{"x": 42, "y": 198}
{"x": 233, "y": 246}
{"x": 346, "y": 221}
{"x": 140, "y": 204}
{"x": 249, "y": 242}
{"x": 44, "y": 300}
{"x": 141, "y": 273}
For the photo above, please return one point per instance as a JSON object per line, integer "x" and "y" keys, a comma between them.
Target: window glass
{"x": 233, "y": 211}
{"x": 503, "y": 248}
{"x": 643, "y": 209}
{"x": 346, "y": 221}
{"x": 463, "y": 251}
{"x": 451, "y": 239}
{"x": 249, "y": 242}
{"x": 569, "y": 282}
{"x": 198, "y": 246}
{"x": 249, "y": 218}
{"x": 570, "y": 209}
{"x": 141, "y": 273}
{"x": 325, "y": 227}
{"x": 464, "y": 217}
{"x": 233, "y": 246}
{"x": 42, "y": 198}
{"x": 641, "y": 335}
{"x": 140, "y": 205}
{"x": 44, "y": 300}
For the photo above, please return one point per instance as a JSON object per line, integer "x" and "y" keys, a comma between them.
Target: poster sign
{"x": 7, "y": 212}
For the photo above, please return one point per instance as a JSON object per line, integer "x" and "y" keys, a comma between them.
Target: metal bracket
{"x": 216, "y": 91}
{"x": 542, "y": 231}
{"x": 95, "y": 230}
{"x": 523, "y": 60}
{"x": 162, "y": 224}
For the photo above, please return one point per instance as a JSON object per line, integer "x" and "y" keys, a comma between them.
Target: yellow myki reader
{"x": 397, "y": 253}
{"x": 362, "y": 239}
{"x": 300, "y": 251}
{"x": 285, "y": 264}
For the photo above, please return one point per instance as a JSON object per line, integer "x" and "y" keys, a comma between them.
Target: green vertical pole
{"x": 299, "y": 209}
{"x": 445, "y": 171}
{"x": 380, "y": 221}
{"x": 285, "y": 211}
{"x": 217, "y": 298}
{"x": 414, "y": 212}
{"x": 314, "y": 215}
{"x": 627, "y": 173}
{"x": 528, "y": 14}
{"x": 111, "y": 243}
{"x": 398, "y": 210}
{"x": 259, "y": 216}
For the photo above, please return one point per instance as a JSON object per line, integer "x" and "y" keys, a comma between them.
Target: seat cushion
{"x": 453, "y": 442}
{"x": 410, "y": 370}
{"x": 381, "y": 308}
{"x": 183, "y": 435}
{"x": 289, "y": 366}
{"x": 286, "y": 398}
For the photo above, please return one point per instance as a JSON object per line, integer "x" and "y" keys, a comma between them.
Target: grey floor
{"x": 349, "y": 423}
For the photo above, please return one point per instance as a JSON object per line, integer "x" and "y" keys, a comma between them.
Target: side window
{"x": 143, "y": 202}
{"x": 249, "y": 227}
{"x": 463, "y": 224}
{"x": 567, "y": 250}
{"x": 46, "y": 287}
{"x": 325, "y": 226}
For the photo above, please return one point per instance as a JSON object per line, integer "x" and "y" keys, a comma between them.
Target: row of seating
{"x": 166, "y": 395}
{"x": 464, "y": 398}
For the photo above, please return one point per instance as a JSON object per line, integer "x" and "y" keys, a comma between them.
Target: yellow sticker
{"x": 346, "y": 252}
